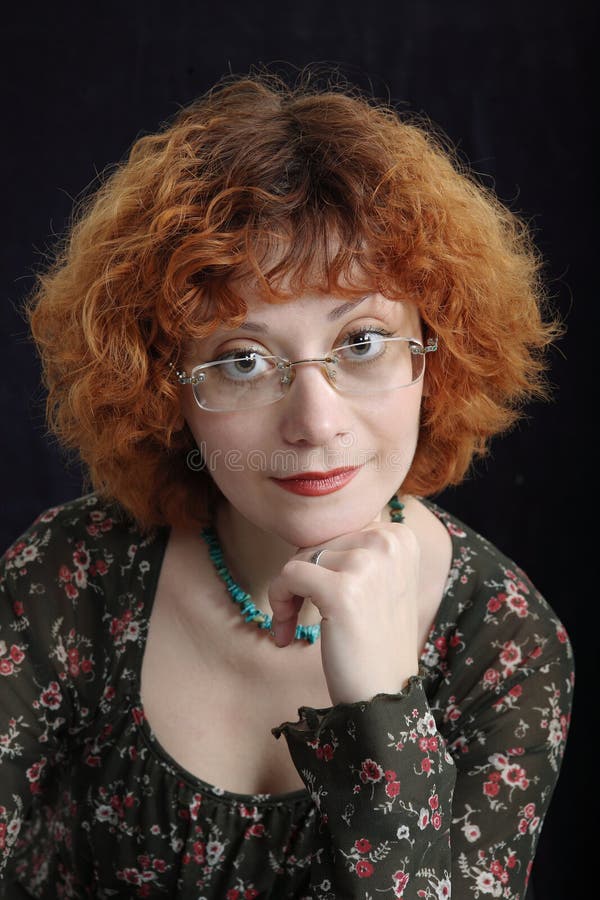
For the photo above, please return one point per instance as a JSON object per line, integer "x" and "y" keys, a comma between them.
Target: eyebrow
{"x": 336, "y": 313}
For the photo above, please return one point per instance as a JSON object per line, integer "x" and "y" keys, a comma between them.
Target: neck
{"x": 253, "y": 556}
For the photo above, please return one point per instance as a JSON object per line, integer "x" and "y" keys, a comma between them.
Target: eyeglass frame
{"x": 416, "y": 348}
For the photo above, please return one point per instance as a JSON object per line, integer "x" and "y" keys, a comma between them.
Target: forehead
{"x": 325, "y": 317}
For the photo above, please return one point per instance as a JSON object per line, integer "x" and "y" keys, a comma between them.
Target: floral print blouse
{"x": 440, "y": 788}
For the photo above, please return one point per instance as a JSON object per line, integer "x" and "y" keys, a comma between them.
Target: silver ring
{"x": 317, "y": 556}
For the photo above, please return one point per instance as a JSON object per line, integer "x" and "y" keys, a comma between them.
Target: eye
{"x": 241, "y": 365}
{"x": 366, "y": 343}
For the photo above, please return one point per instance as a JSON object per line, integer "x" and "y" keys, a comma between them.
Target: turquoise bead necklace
{"x": 248, "y": 611}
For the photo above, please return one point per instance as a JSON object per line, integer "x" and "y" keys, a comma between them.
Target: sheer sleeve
{"x": 428, "y": 798}
{"x": 506, "y": 714}
{"x": 382, "y": 781}
{"x": 48, "y": 660}
{"x": 34, "y": 709}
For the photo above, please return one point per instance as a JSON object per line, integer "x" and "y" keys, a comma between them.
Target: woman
{"x": 281, "y": 323}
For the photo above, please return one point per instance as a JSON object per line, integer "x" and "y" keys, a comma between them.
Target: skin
{"x": 365, "y": 589}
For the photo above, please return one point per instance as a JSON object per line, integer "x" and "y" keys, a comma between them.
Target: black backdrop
{"x": 510, "y": 85}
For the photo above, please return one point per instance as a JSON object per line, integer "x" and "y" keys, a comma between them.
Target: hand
{"x": 365, "y": 588}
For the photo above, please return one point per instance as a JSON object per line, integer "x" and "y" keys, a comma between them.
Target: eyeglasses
{"x": 244, "y": 379}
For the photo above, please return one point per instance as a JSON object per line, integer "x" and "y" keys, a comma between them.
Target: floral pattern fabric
{"x": 440, "y": 789}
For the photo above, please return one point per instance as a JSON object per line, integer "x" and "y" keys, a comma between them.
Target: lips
{"x": 312, "y": 484}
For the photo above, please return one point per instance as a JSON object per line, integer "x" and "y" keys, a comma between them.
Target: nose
{"x": 313, "y": 413}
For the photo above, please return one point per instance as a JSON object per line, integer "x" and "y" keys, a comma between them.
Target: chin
{"x": 312, "y": 530}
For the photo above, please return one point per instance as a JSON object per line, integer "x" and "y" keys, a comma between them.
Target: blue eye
{"x": 367, "y": 343}
{"x": 241, "y": 365}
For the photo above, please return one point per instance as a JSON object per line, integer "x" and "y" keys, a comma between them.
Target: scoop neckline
{"x": 175, "y": 768}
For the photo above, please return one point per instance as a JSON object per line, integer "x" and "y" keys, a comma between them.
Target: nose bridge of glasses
{"x": 327, "y": 364}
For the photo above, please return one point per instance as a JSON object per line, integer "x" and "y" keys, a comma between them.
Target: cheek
{"x": 227, "y": 443}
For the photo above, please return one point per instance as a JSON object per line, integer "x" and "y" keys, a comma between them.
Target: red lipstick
{"x": 313, "y": 484}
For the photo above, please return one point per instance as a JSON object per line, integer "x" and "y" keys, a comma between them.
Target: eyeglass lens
{"x": 249, "y": 379}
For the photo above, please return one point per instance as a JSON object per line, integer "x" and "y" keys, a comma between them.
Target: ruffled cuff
{"x": 311, "y": 722}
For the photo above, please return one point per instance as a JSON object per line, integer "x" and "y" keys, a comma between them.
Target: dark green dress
{"x": 440, "y": 788}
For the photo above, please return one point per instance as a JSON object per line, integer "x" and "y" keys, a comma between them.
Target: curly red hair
{"x": 255, "y": 178}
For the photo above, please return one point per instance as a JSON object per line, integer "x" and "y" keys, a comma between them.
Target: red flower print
{"x": 434, "y": 801}
{"x": 52, "y": 697}
{"x": 362, "y": 845}
{"x": 256, "y": 830}
{"x": 426, "y": 765}
{"x": 392, "y": 789}
{"x": 325, "y": 752}
{"x": 34, "y": 772}
{"x": 6, "y": 667}
{"x": 370, "y": 771}
{"x": 233, "y": 894}
{"x": 364, "y": 869}
{"x": 516, "y": 691}
{"x": 436, "y": 821}
{"x": 490, "y": 789}
{"x": 250, "y": 894}
{"x": 400, "y": 882}
{"x": 441, "y": 644}
{"x": 458, "y": 532}
{"x": 518, "y": 604}
{"x": 494, "y": 604}
{"x": 529, "y": 810}
{"x": 511, "y": 654}
{"x": 491, "y": 677}
{"x": 81, "y": 557}
{"x": 64, "y": 574}
{"x": 515, "y": 775}
{"x": 390, "y": 775}
{"x": 561, "y": 634}
{"x": 71, "y": 591}
{"x": 195, "y": 806}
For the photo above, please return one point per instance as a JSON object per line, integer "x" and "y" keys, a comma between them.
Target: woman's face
{"x": 313, "y": 428}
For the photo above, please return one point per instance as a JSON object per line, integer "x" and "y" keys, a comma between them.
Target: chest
{"x": 213, "y": 686}
{"x": 216, "y": 722}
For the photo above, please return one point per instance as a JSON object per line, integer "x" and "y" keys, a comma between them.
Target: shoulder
{"x": 60, "y": 535}
{"x": 496, "y": 608}
{"x": 79, "y": 549}
{"x": 75, "y": 589}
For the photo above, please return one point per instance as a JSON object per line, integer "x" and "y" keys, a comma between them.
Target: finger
{"x": 283, "y": 625}
{"x": 297, "y": 581}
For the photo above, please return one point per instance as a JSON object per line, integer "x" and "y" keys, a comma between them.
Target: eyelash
{"x": 368, "y": 329}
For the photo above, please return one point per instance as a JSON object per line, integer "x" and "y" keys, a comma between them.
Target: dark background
{"x": 509, "y": 83}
